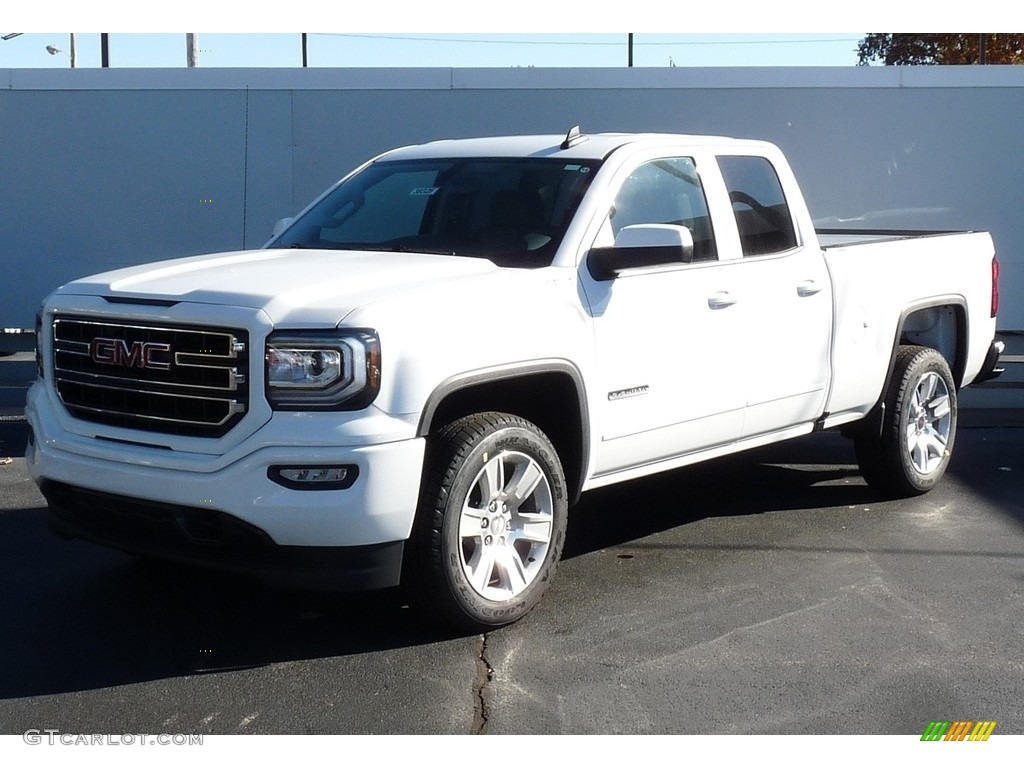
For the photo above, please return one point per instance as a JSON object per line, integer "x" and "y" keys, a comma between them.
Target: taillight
{"x": 995, "y": 286}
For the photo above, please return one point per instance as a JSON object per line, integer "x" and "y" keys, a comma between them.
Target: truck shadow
{"x": 84, "y": 617}
{"x": 13, "y": 438}
{"x": 81, "y": 617}
{"x": 816, "y": 472}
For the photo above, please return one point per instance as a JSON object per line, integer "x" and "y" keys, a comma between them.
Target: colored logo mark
{"x": 958, "y": 730}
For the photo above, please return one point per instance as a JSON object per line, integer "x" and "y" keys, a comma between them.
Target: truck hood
{"x": 325, "y": 284}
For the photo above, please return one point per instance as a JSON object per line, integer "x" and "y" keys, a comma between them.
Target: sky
{"x": 470, "y": 33}
{"x": 434, "y": 50}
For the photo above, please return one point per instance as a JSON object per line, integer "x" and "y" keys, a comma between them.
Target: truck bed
{"x": 837, "y": 238}
{"x": 873, "y": 271}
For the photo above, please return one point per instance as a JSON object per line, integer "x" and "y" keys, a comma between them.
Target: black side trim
{"x": 957, "y": 366}
{"x": 510, "y": 373}
{"x": 893, "y": 233}
{"x": 606, "y": 263}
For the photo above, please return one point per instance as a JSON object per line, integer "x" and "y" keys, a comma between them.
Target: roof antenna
{"x": 572, "y": 138}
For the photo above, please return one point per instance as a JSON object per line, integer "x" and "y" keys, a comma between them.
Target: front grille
{"x": 172, "y": 379}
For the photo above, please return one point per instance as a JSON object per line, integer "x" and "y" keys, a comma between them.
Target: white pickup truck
{"x": 419, "y": 374}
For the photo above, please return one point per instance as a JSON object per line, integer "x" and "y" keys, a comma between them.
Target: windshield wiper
{"x": 392, "y": 248}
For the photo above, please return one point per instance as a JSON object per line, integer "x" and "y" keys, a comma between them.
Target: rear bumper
{"x": 989, "y": 369}
{"x": 206, "y": 537}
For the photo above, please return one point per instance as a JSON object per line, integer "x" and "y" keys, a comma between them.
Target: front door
{"x": 667, "y": 338}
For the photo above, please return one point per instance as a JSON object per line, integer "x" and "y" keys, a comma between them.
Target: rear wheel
{"x": 911, "y": 453}
{"x": 491, "y": 523}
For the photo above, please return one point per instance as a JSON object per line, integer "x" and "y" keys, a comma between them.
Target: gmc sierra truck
{"x": 414, "y": 380}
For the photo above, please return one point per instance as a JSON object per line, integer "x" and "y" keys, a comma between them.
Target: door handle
{"x": 721, "y": 300}
{"x": 807, "y": 288}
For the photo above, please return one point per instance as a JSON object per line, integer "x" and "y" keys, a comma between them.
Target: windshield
{"x": 511, "y": 211}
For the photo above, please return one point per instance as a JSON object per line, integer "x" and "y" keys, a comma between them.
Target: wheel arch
{"x": 917, "y": 426}
{"x": 549, "y": 393}
{"x": 941, "y": 323}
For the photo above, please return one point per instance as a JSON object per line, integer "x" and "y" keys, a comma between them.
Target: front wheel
{"x": 912, "y": 451}
{"x": 491, "y": 523}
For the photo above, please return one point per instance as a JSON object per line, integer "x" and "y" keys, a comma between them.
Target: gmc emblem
{"x": 137, "y": 354}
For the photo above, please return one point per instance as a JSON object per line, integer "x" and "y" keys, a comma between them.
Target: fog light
{"x": 314, "y": 478}
{"x": 314, "y": 474}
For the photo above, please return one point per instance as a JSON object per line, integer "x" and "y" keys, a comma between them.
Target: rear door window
{"x": 759, "y": 205}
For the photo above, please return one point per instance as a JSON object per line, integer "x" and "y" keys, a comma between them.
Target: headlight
{"x": 328, "y": 370}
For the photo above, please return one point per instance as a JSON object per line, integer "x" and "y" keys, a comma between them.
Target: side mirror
{"x": 281, "y": 225}
{"x": 642, "y": 245}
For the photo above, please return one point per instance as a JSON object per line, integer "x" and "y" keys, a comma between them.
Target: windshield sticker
{"x": 571, "y": 168}
{"x": 428, "y": 191}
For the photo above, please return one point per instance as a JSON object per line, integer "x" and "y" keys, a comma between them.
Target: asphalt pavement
{"x": 767, "y": 593}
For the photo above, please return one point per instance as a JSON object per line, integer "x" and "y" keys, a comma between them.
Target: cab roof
{"x": 580, "y": 147}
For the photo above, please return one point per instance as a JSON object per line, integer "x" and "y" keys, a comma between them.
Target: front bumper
{"x": 214, "y": 539}
{"x": 227, "y": 511}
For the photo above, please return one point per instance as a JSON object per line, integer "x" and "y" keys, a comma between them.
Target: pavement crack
{"x": 484, "y": 675}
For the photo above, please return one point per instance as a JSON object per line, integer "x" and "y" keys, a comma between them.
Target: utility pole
{"x": 630, "y": 47}
{"x": 305, "y": 51}
{"x": 104, "y": 49}
{"x": 982, "y": 53}
{"x": 191, "y": 54}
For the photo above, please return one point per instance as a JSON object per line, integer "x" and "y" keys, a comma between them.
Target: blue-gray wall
{"x": 103, "y": 168}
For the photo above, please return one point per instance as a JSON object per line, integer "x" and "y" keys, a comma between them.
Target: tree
{"x": 952, "y": 48}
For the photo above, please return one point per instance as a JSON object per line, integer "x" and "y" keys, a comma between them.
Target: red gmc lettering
{"x": 138, "y": 354}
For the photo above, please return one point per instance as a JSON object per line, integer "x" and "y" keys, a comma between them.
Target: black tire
{"x": 911, "y": 453}
{"x": 477, "y": 578}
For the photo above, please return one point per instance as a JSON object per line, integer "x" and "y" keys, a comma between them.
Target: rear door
{"x": 786, "y": 295}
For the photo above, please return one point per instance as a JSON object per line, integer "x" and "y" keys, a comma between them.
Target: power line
{"x": 607, "y": 43}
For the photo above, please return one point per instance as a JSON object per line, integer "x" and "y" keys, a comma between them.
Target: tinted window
{"x": 667, "y": 191}
{"x": 513, "y": 212}
{"x": 759, "y": 205}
